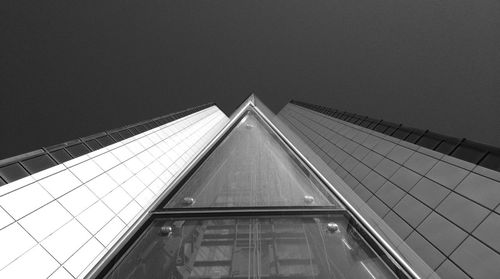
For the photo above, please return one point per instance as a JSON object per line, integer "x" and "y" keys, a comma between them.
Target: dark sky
{"x": 74, "y": 68}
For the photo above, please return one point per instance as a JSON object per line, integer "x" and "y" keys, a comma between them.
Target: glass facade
{"x": 251, "y": 196}
{"x": 251, "y": 208}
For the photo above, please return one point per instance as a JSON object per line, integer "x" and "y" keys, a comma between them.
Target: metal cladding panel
{"x": 445, "y": 208}
{"x": 60, "y": 221}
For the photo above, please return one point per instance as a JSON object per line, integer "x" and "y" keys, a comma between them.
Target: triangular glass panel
{"x": 251, "y": 168}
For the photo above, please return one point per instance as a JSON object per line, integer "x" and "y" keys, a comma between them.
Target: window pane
{"x": 13, "y": 172}
{"x": 77, "y": 150}
{"x": 61, "y": 155}
{"x": 264, "y": 247}
{"x": 105, "y": 140}
{"x": 125, "y": 133}
{"x": 251, "y": 167}
{"x": 468, "y": 153}
{"x": 39, "y": 163}
{"x": 93, "y": 144}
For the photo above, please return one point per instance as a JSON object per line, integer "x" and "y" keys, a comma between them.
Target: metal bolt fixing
{"x": 166, "y": 230}
{"x": 188, "y": 201}
{"x": 308, "y": 199}
{"x": 332, "y": 227}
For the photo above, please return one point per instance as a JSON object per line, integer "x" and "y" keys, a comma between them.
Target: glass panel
{"x": 105, "y": 140}
{"x": 39, "y": 163}
{"x": 251, "y": 168}
{"x": 77, "y": 150}
{"x": 61, "y": 155}
{"x": 264, "y": 247}
{"x": 93, "y": 144}
{"x": 13, "y": 172}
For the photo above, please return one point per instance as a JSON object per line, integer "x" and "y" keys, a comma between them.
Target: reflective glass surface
{"x": 251, "y": 167}
{"x": 251, "y": 247}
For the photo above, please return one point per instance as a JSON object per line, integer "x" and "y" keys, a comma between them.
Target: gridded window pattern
{"x": 14, "y": 168}
{"x": 58, "y": 222}
{"x": 446, "y": 209}
{"x": 484, "y": 155}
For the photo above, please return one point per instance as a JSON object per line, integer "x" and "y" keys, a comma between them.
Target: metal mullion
{"x": 212, "y": 263}
{"x": 250, "y": 208}
{"x": 235, "y": 244}
{"x": 255, "y": 212}
{"x": 275, "y": 251}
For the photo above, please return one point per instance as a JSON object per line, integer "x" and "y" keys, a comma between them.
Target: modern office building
{"x": 309, "y": 193}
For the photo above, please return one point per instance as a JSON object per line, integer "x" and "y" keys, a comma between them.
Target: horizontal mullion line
{"x": 249, "y": 211}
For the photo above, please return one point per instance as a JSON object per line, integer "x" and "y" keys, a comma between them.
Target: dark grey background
{"x": 73, "y": 68}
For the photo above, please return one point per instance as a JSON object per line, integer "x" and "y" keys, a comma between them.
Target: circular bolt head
{"x": 308, "y": 199}
{"x": 332, "y": 227}
{"x": 188, "y": 201}
{"x": 166, "y": 230}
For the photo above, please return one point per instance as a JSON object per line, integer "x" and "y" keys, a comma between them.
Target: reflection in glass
{"x": 291, "y": 247}
{"x": 251, "y": 168}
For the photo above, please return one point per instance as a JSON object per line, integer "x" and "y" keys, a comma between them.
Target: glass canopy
{"x": 265, "y": 247}
{"x": 251, "y": 168}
